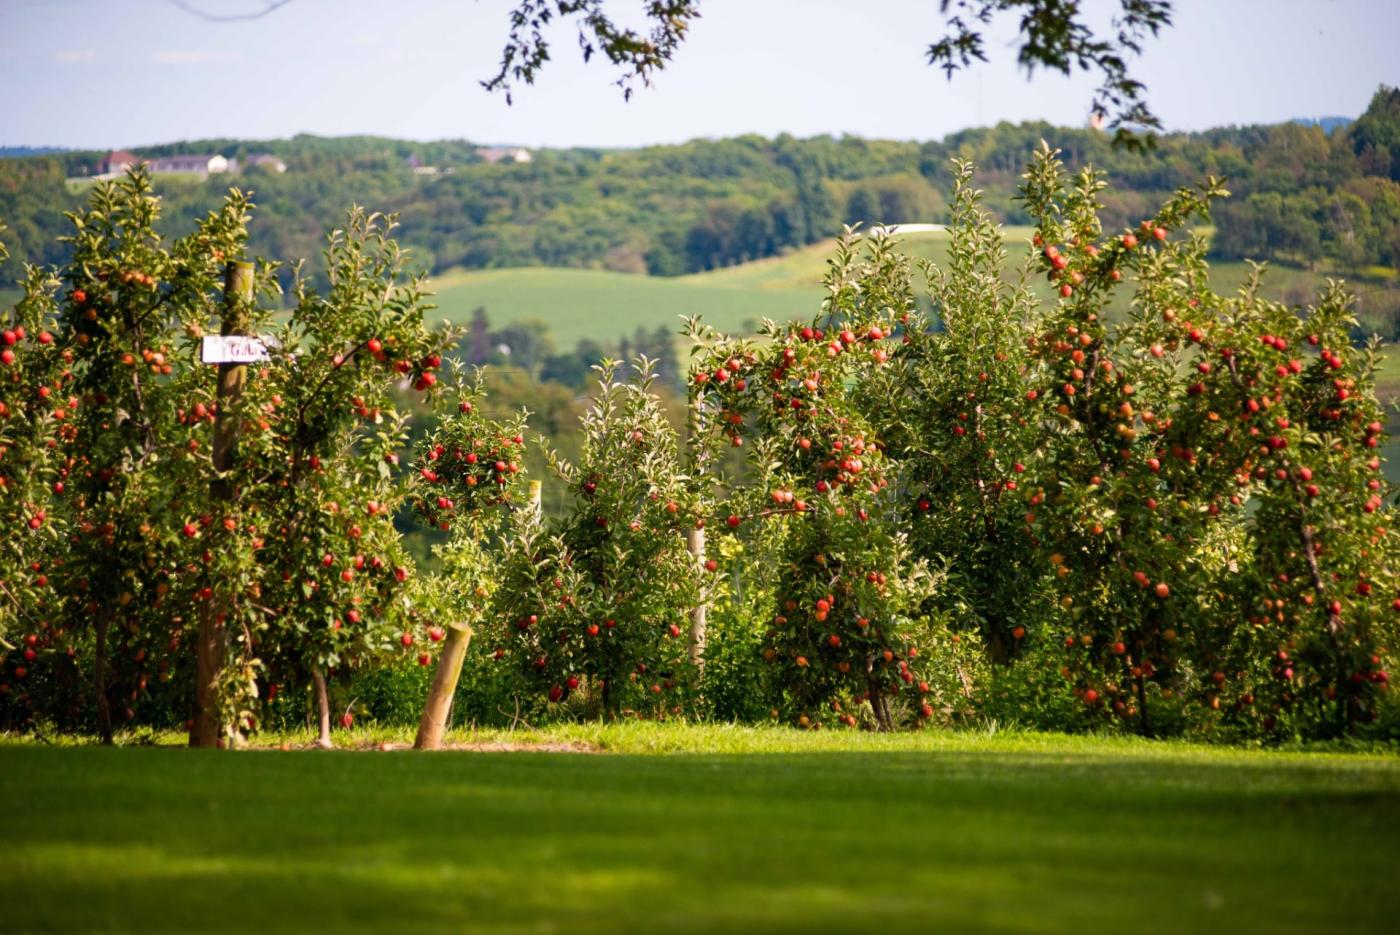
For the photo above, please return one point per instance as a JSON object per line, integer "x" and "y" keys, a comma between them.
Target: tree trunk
{"x": 878, "y": 703}
{"x": 323, "y": 708}
{"x": 99, "y": 676}
{"x": 444, "y": 688}
{"x": 1345, "y": 705}
{"x": 882, "y": 712}
{"x": 1144, "y": 722}
{"x": 998, "y": 649}
{"x": 209, "y": 660}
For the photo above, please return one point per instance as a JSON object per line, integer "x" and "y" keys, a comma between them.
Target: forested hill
{"x": 1302, "y": 195}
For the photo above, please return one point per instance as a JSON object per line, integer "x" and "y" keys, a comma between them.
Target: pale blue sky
{"x": 105, "y": 73}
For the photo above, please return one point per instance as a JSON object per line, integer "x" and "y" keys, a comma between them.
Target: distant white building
{"x": 891, "y": 230}
{"x": 494, "y": 154}
{"x": 197, "y": 165}
{"x": 119, "y": 161}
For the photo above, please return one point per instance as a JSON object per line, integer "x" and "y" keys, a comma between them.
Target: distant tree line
{"x": 1302, "y": 195}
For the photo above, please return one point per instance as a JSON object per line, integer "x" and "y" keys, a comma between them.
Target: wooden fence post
{"x": 211, "y": 648}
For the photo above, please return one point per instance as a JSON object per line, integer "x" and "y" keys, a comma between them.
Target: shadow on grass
{"x": 177, "y": 840}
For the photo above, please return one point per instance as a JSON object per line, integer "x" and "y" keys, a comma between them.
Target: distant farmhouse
{"x": 198, "y": 165}
{"x": 116, "y": 162}
{"x": 119, "y": 161}
{"x": 494, "y": 154}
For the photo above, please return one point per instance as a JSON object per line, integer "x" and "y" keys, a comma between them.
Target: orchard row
{"x": 1162, "y": 504}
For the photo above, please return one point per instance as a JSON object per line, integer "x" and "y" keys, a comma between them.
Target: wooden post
{"x": 695, "y": 542}
{"x": 211, "y": 647}
{"x": 444, "y": 687}
{"x": 695, "y": 538}
{"x": 449, "y": 671}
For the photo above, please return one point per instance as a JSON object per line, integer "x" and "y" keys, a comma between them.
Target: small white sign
{"x": 234, "y": 349}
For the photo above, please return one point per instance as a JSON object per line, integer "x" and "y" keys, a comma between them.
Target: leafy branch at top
{"x": 1055, "y": 36}
{"x": 638, "y": 54}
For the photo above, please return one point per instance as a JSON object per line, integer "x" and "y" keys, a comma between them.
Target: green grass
{"x": 80, "y": 185}
{"x": 696, "y": 829}
{"x": 604, "y": 305}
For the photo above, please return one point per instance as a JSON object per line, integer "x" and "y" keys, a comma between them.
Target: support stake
{"x": 211, "y": 648}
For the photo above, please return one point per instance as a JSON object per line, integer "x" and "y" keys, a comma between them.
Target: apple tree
{"x": 842, "y": 633}
{"x": 135, "y": 489}
{"x": 314, "y": 551}
{"x": 594, "y": 606}
{"x": 952, "y": 408}
{"x": 34, "y": 433}
{"x": 1211, "y": 503}
{"x": 1306, "y": 653}
{"x": 466, "y": 477}
{"x": 1140, "y": 478}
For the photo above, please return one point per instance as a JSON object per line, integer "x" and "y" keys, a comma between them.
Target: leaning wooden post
{"x": 211, "y": 648}
{"x": 449, "y": 672}
{"x": 439, "y": 704}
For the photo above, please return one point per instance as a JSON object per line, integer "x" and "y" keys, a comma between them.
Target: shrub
{"x": 736, "y": 681}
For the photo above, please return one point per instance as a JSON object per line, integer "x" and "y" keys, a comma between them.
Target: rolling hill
{"x": 605, "y": 305}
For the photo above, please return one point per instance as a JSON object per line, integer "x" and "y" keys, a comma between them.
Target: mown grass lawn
{"x": 700, "y": 829}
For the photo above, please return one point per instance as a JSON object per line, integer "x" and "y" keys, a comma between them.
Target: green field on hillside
{"x": 676, "y": 828}
{"x": 605, "y": 305}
